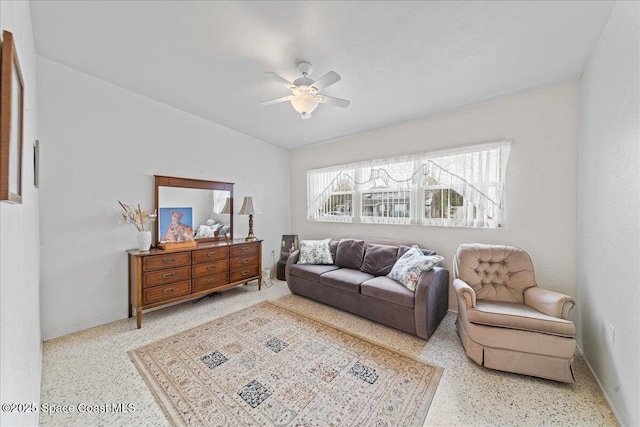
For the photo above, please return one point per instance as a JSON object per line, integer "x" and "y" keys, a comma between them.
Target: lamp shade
{"x": 247, "y": 206}
{"x": 227, "y": 207}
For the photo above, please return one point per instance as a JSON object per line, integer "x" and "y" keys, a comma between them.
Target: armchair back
{"x": 495, "y": 273}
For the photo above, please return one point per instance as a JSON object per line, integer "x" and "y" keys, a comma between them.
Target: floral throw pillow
{"x": 315, "y": 252}
{"x": 409, "y": 267}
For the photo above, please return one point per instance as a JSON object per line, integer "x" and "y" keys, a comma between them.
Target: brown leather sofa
{"x": 357, "y": 283}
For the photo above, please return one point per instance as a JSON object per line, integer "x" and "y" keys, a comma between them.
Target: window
{"x": 462, "y": 187}
{"x": 330, "y": 196}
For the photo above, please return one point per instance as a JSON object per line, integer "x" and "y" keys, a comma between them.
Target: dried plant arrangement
{"x": 138, "y": 217}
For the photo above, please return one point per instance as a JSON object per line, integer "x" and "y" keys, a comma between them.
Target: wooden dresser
{"x": 160, "y": 277}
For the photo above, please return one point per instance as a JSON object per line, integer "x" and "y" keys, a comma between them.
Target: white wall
{"x": 608, "y": 247}
{"x": 541, "y": 178}
{"x": 102, "y": 143}
{"x": 20, "y": 343}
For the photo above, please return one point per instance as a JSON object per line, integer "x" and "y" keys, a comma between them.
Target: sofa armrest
{"x": 431, "y": 300}
{"x": 549, "y": 302}
{"x": 465, "y": 293}
{"x": 293, "y": 259}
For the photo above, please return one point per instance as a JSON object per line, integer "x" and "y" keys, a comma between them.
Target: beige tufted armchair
{"x": 505, "y": 321}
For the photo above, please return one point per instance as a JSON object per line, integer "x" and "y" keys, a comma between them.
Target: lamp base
{"x": 250, "y": 237}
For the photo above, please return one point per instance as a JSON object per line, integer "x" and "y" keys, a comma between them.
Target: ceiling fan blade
{"x": 327, "y": 80}
{"x": 280, "y": 80}
{"x": 276, "y": 100}
{"x": 330, "y": 100}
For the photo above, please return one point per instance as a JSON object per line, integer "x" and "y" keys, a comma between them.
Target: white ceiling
{"x": 398, "y": 60}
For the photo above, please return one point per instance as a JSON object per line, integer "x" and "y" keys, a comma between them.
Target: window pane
{"x": 391, "y": 207}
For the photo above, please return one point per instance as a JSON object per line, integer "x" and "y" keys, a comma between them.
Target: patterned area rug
{"x": 268, "y": 366}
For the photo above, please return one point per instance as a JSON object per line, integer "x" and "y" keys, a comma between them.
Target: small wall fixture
{"x": 247, "y": 209}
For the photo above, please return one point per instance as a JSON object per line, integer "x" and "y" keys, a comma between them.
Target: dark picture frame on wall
{"x": 289, "y": 245}
{"x": 11, "y": 118}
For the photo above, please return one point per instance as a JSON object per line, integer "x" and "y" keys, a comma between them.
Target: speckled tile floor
{"x": 92, "y": 368}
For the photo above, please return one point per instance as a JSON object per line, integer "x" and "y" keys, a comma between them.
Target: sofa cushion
{"x": 345, "y": 278}
{"x": 409, "y": 267}
{"x": 315, "y": 252}
{"x": 403, "y": 250}
{"x": 518, "y": 316}
{"x": 333, "y": 248}
{"x": 386, "y": 289}
{"x": 310, "y": 271}
{"x": 379, "y": 259}
{"x": 350, "y": 253}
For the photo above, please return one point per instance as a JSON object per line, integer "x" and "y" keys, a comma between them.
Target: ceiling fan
{"x": 306, "y": 92}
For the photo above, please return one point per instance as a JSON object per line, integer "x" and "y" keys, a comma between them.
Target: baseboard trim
{"x": 620, "y": 416}
{"x": 81, "y": 326}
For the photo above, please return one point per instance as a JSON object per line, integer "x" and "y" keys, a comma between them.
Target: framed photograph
{"x": 175, "y": 225}
{"x": 289, "y": 245}
{"x": 11, "y": 116}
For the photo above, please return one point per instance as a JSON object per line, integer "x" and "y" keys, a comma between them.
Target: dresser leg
{"x": 139, "y": 317}
{"x": 259, "y": 282}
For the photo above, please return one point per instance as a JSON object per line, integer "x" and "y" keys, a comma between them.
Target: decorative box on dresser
{"x": 161, "y": 277}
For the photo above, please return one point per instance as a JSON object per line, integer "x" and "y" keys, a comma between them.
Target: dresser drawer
{"x": 158, "y": 262}
{"x": 211, "y": 268}
{"x": 243, "y": 262}
{"x": 212, "y": 254}
{"x": 161, "y": 293}
{"x": 210, "y": 282}
{"x": 238, "y": 275}
{"x": 163, "y": 277}
{"x": 244, "y": 250}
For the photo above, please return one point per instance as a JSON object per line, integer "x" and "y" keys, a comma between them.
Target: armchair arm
{"x": 549, "y": 302}
{"x": 293, "y": 258}
{"x": 465, "y": 293}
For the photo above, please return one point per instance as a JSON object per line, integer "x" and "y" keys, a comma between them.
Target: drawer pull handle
{"x": 245, "y": 273}
{"x": 246, "y": 260}
{"x": 212, "y": 280}
{"x": 168, "y": 291}
{"x": 211, "y": 254}
{"x": 167, "y": 275}
{"x": 245, "y": 249}
{"x": 168, "y": 260}
{"x": 211, "y": 267}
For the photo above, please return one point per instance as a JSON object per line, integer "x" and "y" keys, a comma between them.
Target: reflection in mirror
{"x": 205, "y": 202}
{"x": 219, "y": 223}
{"x": 208, "y": 208}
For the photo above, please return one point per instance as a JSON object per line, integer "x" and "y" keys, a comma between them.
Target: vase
{"x": 144, "y": 241}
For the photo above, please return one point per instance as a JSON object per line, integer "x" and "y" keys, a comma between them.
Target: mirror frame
{"x": 172, "y": 181}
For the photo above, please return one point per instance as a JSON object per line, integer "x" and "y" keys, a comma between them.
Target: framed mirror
{"x": 204, "y": 206}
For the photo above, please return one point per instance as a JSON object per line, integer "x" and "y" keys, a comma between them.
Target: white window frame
{"x": 477, "y": 172}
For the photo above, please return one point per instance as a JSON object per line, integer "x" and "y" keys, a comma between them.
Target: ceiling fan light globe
{"x": 304, "y": 104}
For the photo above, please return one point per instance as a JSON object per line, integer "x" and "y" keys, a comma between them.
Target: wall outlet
{"x": 611, "y": 335}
